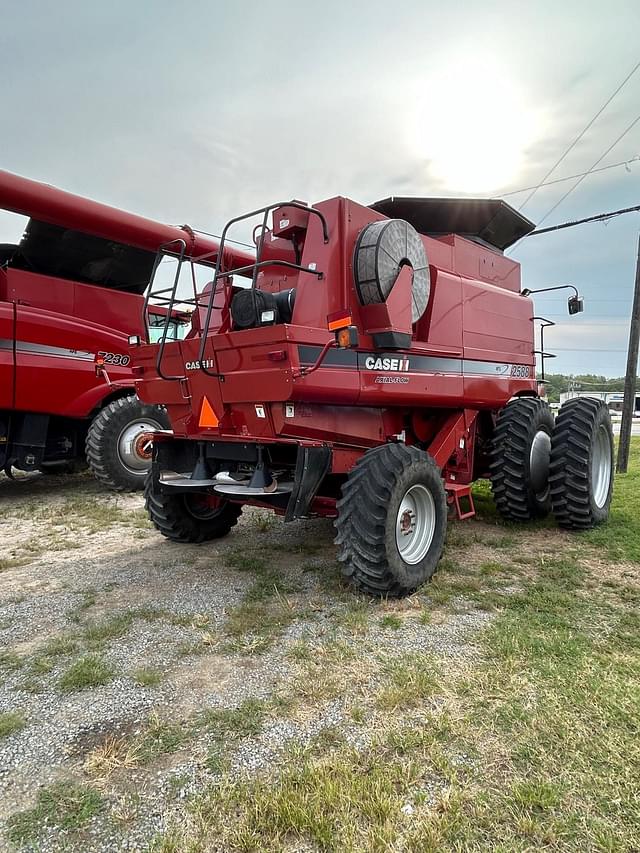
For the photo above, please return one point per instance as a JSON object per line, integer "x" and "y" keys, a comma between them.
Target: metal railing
{"x": 166, "y": 297}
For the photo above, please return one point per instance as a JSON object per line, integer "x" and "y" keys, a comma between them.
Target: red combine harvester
{"x": 71, "y": 293}
{"x": 379, "y": 361}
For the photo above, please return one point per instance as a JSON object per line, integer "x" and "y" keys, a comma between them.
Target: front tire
{"x": 519, "y": 459}
{"x": 392, "y": 520}
{"x": 581, "y": 472}
{"x": 115, "y": 448}
{"x": 189, "y": 517}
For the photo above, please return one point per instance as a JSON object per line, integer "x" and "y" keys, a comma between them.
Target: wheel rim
{"x": 539, "y": 457}
{"x": 203, "y": 507}
{"x": 601, "y": 466}
{"x": 134, "y": 450}
{"x": 415, "y": 524}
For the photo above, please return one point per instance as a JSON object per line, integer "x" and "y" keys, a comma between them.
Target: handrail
{"x": 259, "y": 263}
{"x": 545, "y": 323}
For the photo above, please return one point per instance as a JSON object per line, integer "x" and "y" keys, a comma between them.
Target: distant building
{"x": 613, "y": 399}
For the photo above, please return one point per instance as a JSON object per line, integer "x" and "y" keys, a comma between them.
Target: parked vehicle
{"x": 381, "y": 360}
{"x": 71, "y": 294}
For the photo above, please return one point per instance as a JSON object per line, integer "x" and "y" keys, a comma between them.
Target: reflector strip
{"x": 208, "y": 417}
{"x": 338, "y": 324}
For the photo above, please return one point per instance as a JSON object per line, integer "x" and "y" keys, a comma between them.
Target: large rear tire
{"x": 581, "y": 471}
{"x": 116, "y": 449}
{"x": 189, "y": 517}
{"x": 392, "y": 520}
{"x": 519, "y": 459}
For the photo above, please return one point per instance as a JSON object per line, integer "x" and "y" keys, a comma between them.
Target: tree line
{"x": 557, "y": 383}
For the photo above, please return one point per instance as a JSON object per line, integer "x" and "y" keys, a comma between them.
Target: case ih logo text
{"x": 373, "y": 363}
{"x": 196, "y": 365}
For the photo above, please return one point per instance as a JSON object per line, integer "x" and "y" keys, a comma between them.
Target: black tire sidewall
{"x": 543, "y": 422}
{"x": 172, "y": 517}
{"x": 517, "y": 425}
{"x": 412, "y": 575}
{"x": 104, "y": 437}
{"x": 188, "y": 511}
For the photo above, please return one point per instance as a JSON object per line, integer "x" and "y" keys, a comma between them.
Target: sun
{"x": 474, "y": 126}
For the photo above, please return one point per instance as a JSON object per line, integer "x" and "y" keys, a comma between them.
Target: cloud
{"x": 194, "y": 115}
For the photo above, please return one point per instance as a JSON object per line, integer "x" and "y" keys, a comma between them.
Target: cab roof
{"x": 487, "y": 220}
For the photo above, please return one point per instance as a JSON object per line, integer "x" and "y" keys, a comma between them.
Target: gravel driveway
{"x": 133, "y": 670}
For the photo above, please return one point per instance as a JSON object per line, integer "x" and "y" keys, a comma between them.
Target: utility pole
{"x": 630, "y": 379}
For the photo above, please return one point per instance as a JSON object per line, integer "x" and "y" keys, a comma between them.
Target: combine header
{"x": 367, "y": 365}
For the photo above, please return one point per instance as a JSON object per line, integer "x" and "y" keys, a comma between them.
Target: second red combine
{"x": 375, "y": 362}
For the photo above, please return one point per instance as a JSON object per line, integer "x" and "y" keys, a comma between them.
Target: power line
{"x": 626, "y": 163}
{"x": 614, "y": 322}
{"x": 226, "y": 239}
{"x": 580, "y": 135}
{"x": 599, "y": 217}
{"x": 581, "y": 179}
{"x": 585, "y": 349}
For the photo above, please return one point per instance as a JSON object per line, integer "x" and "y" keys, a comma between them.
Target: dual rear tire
{"x": 519, "y": 459}
{"x": 537, "y": 466}
{"x": 581, "y": 464}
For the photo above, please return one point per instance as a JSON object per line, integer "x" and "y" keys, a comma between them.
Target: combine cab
{"x": 373, "y": 364}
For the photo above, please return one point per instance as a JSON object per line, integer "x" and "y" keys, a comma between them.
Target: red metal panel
{"x": 497, "y": 326}
{"x": 347, "y": 425}
{"x": 475, "y": 330}
{"x": 441, "y": 324}
{"x": 55, "y": 362}
{"x": 7, "y": 363}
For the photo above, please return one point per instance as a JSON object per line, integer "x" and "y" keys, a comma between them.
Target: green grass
{"x": 619, "y": 538}
{"x": 529, "y": 741}
{"x": 89, "y": 671}
{"x": 246, "y": 563}
{"x": 163, "y": 736}
{"x": 7, "y": 563}
{"x": 97, "y": 633}
{"x": 390, "y": 620}
{"x": 10, "y": 722}
{"x": 87, "y": 600}
{"x": 65, "y": 644}
{"x": 65, "y": 806}
{"x": 355, "y": 618}
{"x": 244, "y": 721}
{"x": 253, "y": 626}
{"x": 147, "y": 676}
{"x": 329, "y": 795}
{"x": 264, "y": 520}
{"x": 407, "y": 682}
{"x": 264, "y": 612}
{"x": 11, "y": 660}
{"x": 532, "y": 743}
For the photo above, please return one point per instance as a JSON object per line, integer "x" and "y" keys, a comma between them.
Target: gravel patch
{"x": 178, "y": 599}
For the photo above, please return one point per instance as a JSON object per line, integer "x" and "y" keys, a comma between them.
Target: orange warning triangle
{"x": 207, "y": 415}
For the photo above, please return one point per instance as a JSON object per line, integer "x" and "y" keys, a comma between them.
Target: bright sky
{"x": 198, "y": 112}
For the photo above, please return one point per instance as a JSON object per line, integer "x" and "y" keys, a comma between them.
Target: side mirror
{"x": 347, "y": 337}
{"x": 575, "y": 304}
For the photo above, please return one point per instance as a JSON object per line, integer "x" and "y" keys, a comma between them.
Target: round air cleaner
{"x": 382, "y": 249}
